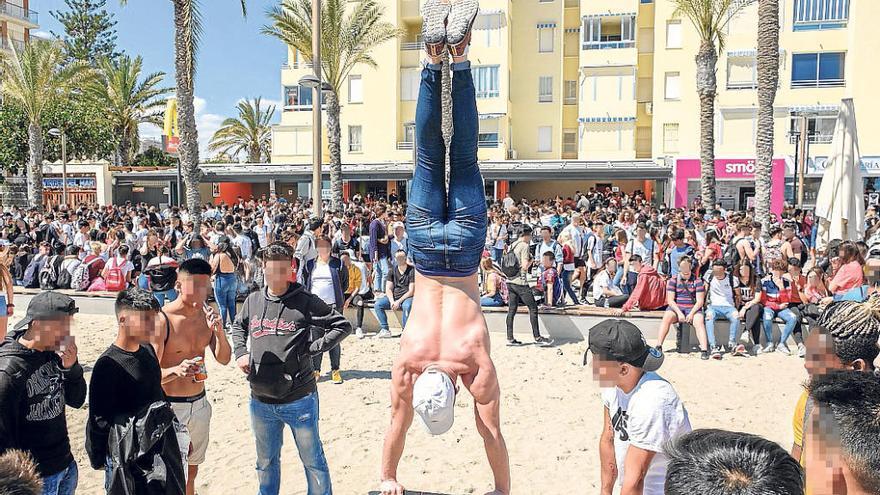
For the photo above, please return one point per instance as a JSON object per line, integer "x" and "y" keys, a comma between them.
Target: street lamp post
{"x": 317, "y": 93}
{"x": 58, "y": 132}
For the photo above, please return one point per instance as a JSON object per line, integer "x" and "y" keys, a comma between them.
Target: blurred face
{"x": 139, "y": 325}
{"x": 611, "y": 266}
{"x": 718, "y": 271}
{"x": 794, "y": 271}
{"x": 607, "y": 372}
{"x": 50, "y": 334}
{"x": 820, "y": 358}
{"x": 400, "y": 258}
{"x": 548, "y": 261}
{"x": 277, "y": 272}
{"x": 684, "y": 269}
{"x": 545, "y": 236}
{"x": 323, "y": 250}
{"x": 193, "y": 289}
{"x": 744, "y": 271}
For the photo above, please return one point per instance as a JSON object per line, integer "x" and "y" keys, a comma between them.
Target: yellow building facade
{"x": 16, "y": 21}
{"x": 608, "y": 81}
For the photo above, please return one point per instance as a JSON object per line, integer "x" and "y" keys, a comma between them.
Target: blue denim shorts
{"x": 451, "y": 249}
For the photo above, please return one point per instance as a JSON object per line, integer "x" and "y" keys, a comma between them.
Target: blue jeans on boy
{"x": 165, "y": 296}
{"x": 267, "y": 421}
{"x": 383, "y": 304}
{"x": 381, "y": 270}
{"x": 63, "y": 482}
{"x": 225, "y": 292}
{"x": 787, "y": 316}
{"x": 447, "y": 229}
{"x": 728, "y": 312}
{"x": 492, "y": 302}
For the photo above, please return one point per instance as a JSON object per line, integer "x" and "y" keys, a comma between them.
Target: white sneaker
{"x": 802, "y": 350}
{"x": 783, "y": 348}
{"x": 771, "y": 347}
{"x": 359, "y": 333}
{"x": 384, "y": 334}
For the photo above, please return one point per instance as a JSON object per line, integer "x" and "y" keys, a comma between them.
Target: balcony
{"x": 5, "y": 44}
{"x": 608, "y": 45}
{"x": 740, "y": 85}
{"x": 404, "y": 146}
{"x": 411, "y": 45}
{"x": 489, "y": 144}
{"x": 819, "y": 83}
{"x": 19, "y": 13}
{"x": 297, "y": 65}
{"x": 812, "y": 15}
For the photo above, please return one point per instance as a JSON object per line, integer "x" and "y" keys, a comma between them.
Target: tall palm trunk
{"x": 123, "y": 151}
{"x": 707, "y": 88}
{"x": 768, "y": 80}
{"x": 35, "y": 167}
{"x": 334, "y": 137}
{"x": 254, "y": 154}
{"x": 184, "y": 64}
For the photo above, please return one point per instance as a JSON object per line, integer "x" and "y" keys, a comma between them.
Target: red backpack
{"x": 115, "y": 281}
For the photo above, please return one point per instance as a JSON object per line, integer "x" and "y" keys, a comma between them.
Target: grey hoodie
{"x": 284, "y": 333}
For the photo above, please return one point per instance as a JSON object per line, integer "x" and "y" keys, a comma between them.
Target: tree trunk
{"x": 184, "y": 62}
{"x": 254, "y": 154}
{"x": 334, "y": 136}
{"x": 123, "y": 151}
{"x": 768, "y": 81}
{"x": 35, "y": 167}
{"x": 707, "y": 87}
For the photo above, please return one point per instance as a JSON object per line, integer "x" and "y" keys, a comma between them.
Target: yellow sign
{"x": 171, "y": 132}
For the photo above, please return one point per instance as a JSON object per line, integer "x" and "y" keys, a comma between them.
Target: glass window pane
{"x": 673, "y": 34}
{"x": 804, "y": 67}
{"x": 831, "y": 66}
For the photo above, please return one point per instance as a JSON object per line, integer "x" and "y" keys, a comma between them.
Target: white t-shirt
{"x": 602, "y": 281}
{"x": 646, "y": 418}
{"x": 720, "y": 292}
{"x": 322, "y": 283}
{"x": 645, "y": 249}
{"x": 244, "y": 245}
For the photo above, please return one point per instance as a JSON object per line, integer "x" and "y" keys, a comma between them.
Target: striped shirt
{"x": 686, "y": 291}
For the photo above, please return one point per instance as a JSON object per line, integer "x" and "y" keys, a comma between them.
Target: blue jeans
{"x": 787, "y": 316}
{"x": 165, "y": 296}
{"x": 447, "y": 229}
{"x": 63, "y": 482}
{"x": 383, "y": 304}
{"x": 728, "y": 312}
{"x": 492, "y": 302}
{"x": 267, "y": 421}
{"x": 381, "y": 270}
{"x": 497, "y": 254}
{"x": 567, "y": 288}
{"x": 225, "y": 291}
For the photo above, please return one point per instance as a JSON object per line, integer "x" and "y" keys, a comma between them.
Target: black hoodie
{"x": 34, "y": 390}
{"x": 282, "y": 341}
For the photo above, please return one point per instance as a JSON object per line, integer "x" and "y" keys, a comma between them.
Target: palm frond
{"x": 251, "y": 130}
{"x": 711, "y": 17}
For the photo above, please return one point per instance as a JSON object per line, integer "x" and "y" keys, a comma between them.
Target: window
{"x": 569, "y": 142}
{"x": 486, "y": 81}
{"x": 571, "y": 92}
{"x": 354, "y": 139}
{"x": 742, "y": 73}
{"x": 545, "y": 139}
{"x": 409, "y": 84}
{"x": 673, "y": 88}
{"x": 487, "y": 29}
{"x": 820, "y": 128}
{"x": 487, "y": 139}
{"x": 818, "y": 70}
{"x": 673, "y": 34}
{"x": 409, "y": 133}
{"x": 670, "y": 138}
{"x": 545, "y": 40}
{"x": 601, "y": 33}
{"x": 820, "y": 14}
{"x": 299, "y": 98}
{"x": 545, "y": 89}
{"x": 355, "y": 89}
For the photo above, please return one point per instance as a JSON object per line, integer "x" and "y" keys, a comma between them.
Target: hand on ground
{"x": 391, "y": 487}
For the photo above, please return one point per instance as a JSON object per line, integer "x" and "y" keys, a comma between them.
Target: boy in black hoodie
{"x": 39, "y": 376}
{"x": 285, "y": 326}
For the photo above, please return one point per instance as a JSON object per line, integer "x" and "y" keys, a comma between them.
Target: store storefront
{"x": 816, "y": 169}
{"x": 735, "y": 183}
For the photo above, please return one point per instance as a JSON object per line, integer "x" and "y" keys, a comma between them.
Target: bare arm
{"x": 219, "y": 343}
{"x": 635, "y": 468}
{"x": 401, "y": 420}
{"x": 608, "y": 463}
{"x": 670, "y": 302}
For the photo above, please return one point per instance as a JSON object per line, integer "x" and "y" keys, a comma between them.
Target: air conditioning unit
{"x": 649, "y": 108}
{"x": 511, "y": 154}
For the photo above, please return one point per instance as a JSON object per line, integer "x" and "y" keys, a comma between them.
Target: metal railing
{"x": 404, "y": 145}
{"x": 488, "y": 144}
{"x": 18, "y": 44}
{"x": 412, "y": 45}
{"x": 608, "y": 45}
{"x": 819, "y": 83}
{"x": 18, "y": 11}
{"x": 742, "y": 84}
{"x": 297, "y": 65}
{"x": 812, "y": 138}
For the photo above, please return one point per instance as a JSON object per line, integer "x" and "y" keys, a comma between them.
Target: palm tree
{"x": 251, "y": 132}
{"x": 187, "y": 34}
{"x": 34, "y": 79}
{"x": 768, "y": 81}
{"x": 710, "y": 18}
{"x": 350, "y": 30}
{"x": 128, "y": 100}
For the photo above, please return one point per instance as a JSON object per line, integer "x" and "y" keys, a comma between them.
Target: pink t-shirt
{"x": 849, "y": 276}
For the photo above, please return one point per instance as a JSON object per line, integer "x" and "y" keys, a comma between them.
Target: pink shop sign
{"x": 730, "y": 169}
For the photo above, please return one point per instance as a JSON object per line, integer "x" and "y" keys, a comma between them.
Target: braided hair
{"x": 855, "y": 328}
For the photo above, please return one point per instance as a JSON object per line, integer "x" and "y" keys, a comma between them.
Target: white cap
{"x": 434, "y": 400}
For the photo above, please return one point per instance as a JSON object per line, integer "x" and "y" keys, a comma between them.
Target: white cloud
{"x": 149, "y": 131}
{"x": 207, "y": 124}
{"x": 42, "y": 34}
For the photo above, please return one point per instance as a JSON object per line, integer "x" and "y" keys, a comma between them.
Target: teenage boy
{"x": 274, "y": 342}
{"x": 39, "y": 376}
{"x": 125, "y": 387}
{"x": 722, "y": 304}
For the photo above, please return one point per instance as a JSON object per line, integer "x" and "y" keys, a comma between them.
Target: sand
{"x": 551, "y": 413}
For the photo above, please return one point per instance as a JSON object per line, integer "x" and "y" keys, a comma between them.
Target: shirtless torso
{"x": 188, "y": 337}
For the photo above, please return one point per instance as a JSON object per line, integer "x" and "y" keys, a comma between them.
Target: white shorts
{"x": 195, "y": 414}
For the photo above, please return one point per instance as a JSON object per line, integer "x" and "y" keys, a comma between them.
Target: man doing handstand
{"x": 446, "y": 335}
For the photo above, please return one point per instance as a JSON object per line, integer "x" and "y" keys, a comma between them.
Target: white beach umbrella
{"x": 840, "y": 207}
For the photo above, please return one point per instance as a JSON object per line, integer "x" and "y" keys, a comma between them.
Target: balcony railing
{"x": 732, "y": 85}
{"x": 820, "y": 83}
{"x": 412, "y": 45}
{"x": 5, "y": 44}
{"x": 489, "y": 144}
{"x": 812, "y": 138}
{"x": 297, "y": 65}
{"x": 404, "y": 145}
{"x": 19, "y": 12}
{"x": 608, "y": 45}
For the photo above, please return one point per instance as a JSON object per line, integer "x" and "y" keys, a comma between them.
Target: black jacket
{"x": 34, "y": 390}
{"x": 145, "y": 454}
{"x": 282, "y": 341}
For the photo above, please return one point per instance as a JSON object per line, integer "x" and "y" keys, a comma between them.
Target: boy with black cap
{"x": 39, "y": 375}
{"x": 642, "y": 410}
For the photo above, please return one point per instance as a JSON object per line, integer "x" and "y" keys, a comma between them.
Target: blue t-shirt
{"x": 676, "y": 254}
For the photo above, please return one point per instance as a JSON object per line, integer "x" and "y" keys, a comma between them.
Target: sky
{"x": 235, "y": 60}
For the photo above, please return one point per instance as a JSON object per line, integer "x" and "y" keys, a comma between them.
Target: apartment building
{"x": 603, "y": 92}
{"x": 16, "y": 22}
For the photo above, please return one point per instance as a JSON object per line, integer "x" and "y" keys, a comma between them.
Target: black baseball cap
{"x": 620, "y": 340}
{"x": 47, "y": 305}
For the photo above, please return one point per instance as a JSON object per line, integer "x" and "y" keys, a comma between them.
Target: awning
{"x": 609, "y": 14}
{"x": 546, "y": 25}
{"x": 573, "y": 30}
{"x": 491, "y": 12}
{"x": 605, "y": 120}
{"x": 488, "y": 116}
{"x": 748, "y": 53}
{"x": 814, "y": 108}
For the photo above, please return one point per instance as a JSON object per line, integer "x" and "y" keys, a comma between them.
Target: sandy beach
{"x": 551, "y": 418}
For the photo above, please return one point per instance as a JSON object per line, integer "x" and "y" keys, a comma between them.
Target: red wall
{"x": 230, "y": 191}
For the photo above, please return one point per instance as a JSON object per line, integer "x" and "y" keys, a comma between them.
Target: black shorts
{"x": 579, "y": 263}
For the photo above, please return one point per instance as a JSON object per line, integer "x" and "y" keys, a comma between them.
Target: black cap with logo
{"x": 45, "y": 306}
{"x": 620, "y": 340}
